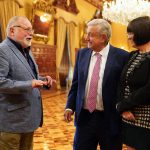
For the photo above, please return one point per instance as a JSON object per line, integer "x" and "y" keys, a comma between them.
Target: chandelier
{"x": 123, "y": 11}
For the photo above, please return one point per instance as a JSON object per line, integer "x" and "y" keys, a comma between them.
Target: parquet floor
{"x": 55, "y": 134}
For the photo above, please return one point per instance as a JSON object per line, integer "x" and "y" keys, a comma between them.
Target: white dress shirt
{"x": 104, "y": 55}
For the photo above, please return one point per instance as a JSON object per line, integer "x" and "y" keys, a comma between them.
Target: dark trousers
{"x": 92, "y": 131}
{"x": 16, "y": 141}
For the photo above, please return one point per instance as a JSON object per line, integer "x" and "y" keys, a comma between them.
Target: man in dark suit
{"x": 20, "y": 100}
{"x": 92, "y": 96}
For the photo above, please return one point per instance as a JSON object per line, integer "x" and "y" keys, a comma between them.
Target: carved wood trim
{"x": 72, "y": 7}
{"x": 44, "y": 6}
{"x": 96, "y": 3}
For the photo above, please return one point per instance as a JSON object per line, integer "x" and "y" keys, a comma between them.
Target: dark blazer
{"x": 114, "y": 65}
{"x": 20, "y": 104}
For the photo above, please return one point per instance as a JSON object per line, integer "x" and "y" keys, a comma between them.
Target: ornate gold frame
{"x": 46, "y": 7}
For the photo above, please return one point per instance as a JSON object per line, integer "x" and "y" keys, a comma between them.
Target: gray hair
{"x": 104, "y": 27}
{"x": 12, "y": 22}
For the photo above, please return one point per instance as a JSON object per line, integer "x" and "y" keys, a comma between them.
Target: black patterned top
{"x": 141, "y": 112}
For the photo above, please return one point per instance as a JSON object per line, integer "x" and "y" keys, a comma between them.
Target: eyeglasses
{"x": 26, "y": 29}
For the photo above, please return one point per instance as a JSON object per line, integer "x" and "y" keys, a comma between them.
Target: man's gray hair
{"x": 12, "y": 22}
{"x": 104, "y": 26}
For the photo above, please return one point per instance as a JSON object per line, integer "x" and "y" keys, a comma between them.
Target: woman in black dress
{"x": 134, "y": 92}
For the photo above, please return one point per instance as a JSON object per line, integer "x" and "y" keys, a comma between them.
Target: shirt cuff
{"x": 68, "y": 109}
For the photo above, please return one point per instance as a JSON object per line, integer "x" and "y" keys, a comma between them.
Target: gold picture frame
{"x": 42, "y": 8}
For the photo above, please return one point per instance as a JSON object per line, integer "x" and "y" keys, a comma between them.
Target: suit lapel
{"x": 84, "y": 67}
{"x": 109, "y": 64}
{"x": 36, "y": 68}
{"x": 85, "y": 64}
{"x": 19, "y": 56}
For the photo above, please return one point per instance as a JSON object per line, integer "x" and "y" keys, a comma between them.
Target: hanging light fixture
{"x": 123, "y": 11}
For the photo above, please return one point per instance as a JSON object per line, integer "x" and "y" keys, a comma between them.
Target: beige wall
{"x": 86, "y": 12}
{"x": 119, "y": 36}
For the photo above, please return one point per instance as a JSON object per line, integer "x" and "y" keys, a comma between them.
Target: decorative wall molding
{"x": 96, "y": 3}
{"x": 45, "y": 6}
{"x": 63, "y": 4}
{"x": 41, "y": 29}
